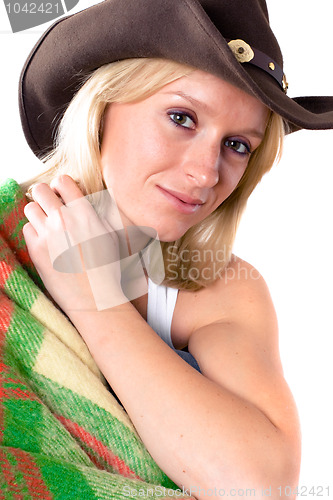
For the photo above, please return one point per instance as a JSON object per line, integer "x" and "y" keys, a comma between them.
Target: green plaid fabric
{"x": 62, "y": 433}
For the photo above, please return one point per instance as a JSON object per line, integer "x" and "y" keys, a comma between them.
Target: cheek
{"x": 153, "y": 147}
{"x": 135, "y": 151}
{"x": 231, "y": 175}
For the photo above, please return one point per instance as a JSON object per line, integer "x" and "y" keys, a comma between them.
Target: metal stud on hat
{"x": 244, "y": 53}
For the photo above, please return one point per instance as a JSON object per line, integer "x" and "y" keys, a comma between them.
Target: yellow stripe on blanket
{"x": 55, "y": 321}
{"x": 58, "y": 363}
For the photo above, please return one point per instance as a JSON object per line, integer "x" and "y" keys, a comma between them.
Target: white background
{"x": 286, "y": 231}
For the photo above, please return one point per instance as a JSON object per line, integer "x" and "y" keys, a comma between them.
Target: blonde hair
{"x": 82, "y": 126}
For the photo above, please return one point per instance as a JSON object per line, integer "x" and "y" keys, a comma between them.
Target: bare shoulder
{"x": 245, "y": 295}
{"x": 236, "y": 344}
{"x": 240, "y": 294}
{"x": 241, "y": 305}
{"x": 238, "y": 310}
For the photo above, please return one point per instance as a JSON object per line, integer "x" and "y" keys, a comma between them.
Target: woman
{"x": 181, "y": 148}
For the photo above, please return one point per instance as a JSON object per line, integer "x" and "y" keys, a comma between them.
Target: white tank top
{"x": 160, "y": 308}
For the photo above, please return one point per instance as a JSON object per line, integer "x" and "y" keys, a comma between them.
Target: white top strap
{"x": 160, "y": 308}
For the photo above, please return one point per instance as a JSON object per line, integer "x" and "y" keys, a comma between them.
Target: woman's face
{"x": 173, "y": 158}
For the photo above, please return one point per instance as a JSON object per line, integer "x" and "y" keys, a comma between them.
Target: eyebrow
{"x": 192, "y": 100}
{"x": 253, "y": 132}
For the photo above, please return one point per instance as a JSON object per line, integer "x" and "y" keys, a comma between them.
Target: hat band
{"x": 244, "y": 53}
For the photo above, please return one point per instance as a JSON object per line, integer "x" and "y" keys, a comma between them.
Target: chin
{"x": 166, "y": 230}
{"x": 171, "y": 229}
{"x": 169, "y": 236}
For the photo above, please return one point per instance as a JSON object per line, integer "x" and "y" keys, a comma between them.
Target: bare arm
{"x": 232, "y": 427}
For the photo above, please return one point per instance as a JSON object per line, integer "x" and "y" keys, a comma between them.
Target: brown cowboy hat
{"x": 229, "y": 38}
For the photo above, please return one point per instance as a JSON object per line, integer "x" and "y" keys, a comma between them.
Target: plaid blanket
{"x": 62, "y": 433}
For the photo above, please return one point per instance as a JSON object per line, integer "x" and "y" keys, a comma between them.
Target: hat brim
{"x": 78, "y": 44}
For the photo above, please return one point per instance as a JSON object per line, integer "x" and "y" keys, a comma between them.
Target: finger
{"x": 29, "y": 231}
{"x": 78, "y": 215}
{"x": 36, "y": 216}
{"x": 30, "y": 235}
{"x": 46, "y": 197}
{"x": 66, "y": 188}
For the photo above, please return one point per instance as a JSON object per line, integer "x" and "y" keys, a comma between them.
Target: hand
{"x": 76, "y": 255}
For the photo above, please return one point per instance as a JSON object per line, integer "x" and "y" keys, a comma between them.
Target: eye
{"x": 239, "y": 147}
{"x": 182, "y": 119}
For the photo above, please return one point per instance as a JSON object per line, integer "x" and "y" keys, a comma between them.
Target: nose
{"x": 202, "y": 164}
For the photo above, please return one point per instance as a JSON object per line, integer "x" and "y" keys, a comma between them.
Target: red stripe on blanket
{"x": 6, "y": 471}
{"x": 17, "y": 393}
{"x": 10, "y": 226}
{"x": 17, "y": 214}
{"x": 6, "y": 311}
{"x": 98, "y": 447}
{"x": 6, "y": 267}
{"x": 23, "y": 257}
{"x": 3, "y": 368}
{"x": 33, "y": 478}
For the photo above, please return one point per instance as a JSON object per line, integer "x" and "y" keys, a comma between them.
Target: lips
{"x": 184, "y": 197}
{"x": 180, "y": 201}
